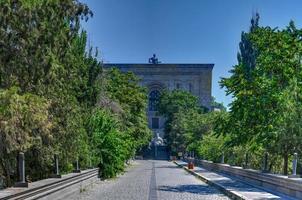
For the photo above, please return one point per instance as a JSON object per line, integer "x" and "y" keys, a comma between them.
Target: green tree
{"x": 59, "y": 103}
{"x": 118, "y": 127}
{"x": 43, "y": 54}
{"x": 111, "y": 147}
{"x": 175, "y": 106}
{"x": 25, "y": 123}
{"x": 124, "y": 89}
{"x": 259, "y": 113}
{"x": 216, "y": 105}
{"x": 35, "y": 38}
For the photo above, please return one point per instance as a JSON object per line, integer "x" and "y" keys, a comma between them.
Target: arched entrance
{"x": 158, "y": 149}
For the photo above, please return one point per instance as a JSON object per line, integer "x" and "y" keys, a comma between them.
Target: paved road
{"x": 150, "y": 180}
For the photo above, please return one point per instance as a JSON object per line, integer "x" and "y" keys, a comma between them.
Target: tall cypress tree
{"x": 247, "y": 55}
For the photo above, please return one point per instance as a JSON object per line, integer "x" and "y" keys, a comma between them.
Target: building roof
{"x": 160, "y": 65}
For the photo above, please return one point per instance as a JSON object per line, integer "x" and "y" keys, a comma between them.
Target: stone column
{"x": 232, "y": 159}
{"x": 21, "y": 167}
{"x": 90, "y": 163}
{"x": 246, "y": 161}
{"x": 295, "y": 162}
{"x": 57, "y": 164}
{"x": 265, "y": 163}
{"x": 78, "y": 164}
{"x": 56, "y": 167}
{"x": 77, "y": 170}
{"x": 222, "y": 158}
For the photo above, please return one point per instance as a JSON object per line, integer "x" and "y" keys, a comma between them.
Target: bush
{"x": 111, "y": 146}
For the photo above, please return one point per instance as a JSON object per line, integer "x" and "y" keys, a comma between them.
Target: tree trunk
{"x": 285, "y": 164}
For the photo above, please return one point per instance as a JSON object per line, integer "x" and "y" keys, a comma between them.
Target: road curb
{"x": 230, "y": 193}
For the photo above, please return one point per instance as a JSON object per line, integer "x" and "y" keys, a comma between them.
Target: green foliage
{"x": 119, "y": 126}
{"x": 124, "y": 89}
{"x": 20, "y": 115}
{"x": 189, "y": 128}
{"x": 265, "y": 116}
{"x": 25, "y": 124}
{"x": 177, "y": 101}
{"x": 216, "y": 105}
{"x": 109, "y": 144}
{"x": 266, "y": 107}
{"x": 210, "y": 147}
{"x": 35, "y": 37}
{"x": 50, "y": 87}
{"x": 178, "y": 107}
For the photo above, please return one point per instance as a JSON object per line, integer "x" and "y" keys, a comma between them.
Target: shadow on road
{"x": 167, "y": 166}
{"x": 196, "y": 189}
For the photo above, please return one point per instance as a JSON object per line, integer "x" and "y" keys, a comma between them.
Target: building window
{"x": 155, "y": 123}
{"x": 154, "y": 100}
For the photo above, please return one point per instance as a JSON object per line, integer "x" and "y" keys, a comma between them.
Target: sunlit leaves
{"x": 266, "y": 106}
{"x": 24, "y": 120}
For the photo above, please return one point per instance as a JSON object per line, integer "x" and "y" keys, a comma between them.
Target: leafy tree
{"x": 25, "y": 123}
{"x": 216, "y": 105}
{"x": 43, "y": 54}
{"x": 118, "y": 127}
{"x": 52, "y": 91}
{"x": 259, "y": 113}
{"x": 35, "y": 38}
{"x": 124, "y": 89}
{"x": 174, "y": 106}
{"x": 110, "y": 145}
{"x": 211, "y": 148}
{"x": 175, "y": 101}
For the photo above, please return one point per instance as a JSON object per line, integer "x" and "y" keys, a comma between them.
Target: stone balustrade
{"x": 274, "y": 182}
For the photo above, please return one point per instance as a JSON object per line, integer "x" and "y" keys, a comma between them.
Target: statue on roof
{"x": 154, "y": 60}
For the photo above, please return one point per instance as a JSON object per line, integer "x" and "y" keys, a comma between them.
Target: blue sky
{"x": 182, "y": 31}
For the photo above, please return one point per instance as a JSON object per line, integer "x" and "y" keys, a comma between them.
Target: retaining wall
{"x": 275, "y": 182}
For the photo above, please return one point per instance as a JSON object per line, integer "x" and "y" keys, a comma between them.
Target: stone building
{"x": 195, "y": 78}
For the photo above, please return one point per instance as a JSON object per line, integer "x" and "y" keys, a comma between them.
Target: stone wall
{"x": 274, "y": 182}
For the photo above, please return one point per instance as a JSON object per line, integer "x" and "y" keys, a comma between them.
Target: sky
{"x": 181, "y": 31}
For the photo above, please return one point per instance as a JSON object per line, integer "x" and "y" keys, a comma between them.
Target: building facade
{"x": 194, "y": 78}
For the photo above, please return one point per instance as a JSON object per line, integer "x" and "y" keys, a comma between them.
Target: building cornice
{"x": 161, "y": 66}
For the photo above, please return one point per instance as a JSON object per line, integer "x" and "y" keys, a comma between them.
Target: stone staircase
{"x": 156, "y": 153}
